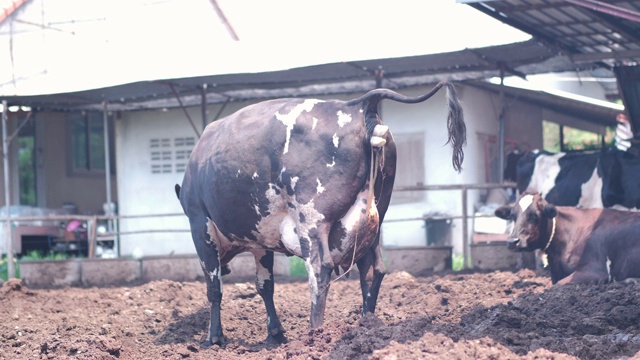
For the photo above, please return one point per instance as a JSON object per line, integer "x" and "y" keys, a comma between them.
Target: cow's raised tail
{"x": 455, "y": 119}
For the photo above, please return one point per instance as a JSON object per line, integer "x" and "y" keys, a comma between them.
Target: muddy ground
{"x": 498, "y": 315}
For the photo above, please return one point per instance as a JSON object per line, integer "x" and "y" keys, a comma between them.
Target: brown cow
{"x": 582, "y": 245}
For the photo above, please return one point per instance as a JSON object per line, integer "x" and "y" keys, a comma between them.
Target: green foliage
{"x": 574, "y": 139}
{"x": 36, "y": 255}
{"x": 457, "y": 262}
{"x": 4, "y": 268}
{"x": 550, "y": 136}
{"x": 33, "y": 255}
{"x": 296, "y": 267}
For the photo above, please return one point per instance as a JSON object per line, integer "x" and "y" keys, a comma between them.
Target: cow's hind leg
{"x": 201, "y": 230}
{"x": 319, "y": 272}
{"x": 372, "y": 271}
{"x": 265, "y": 287}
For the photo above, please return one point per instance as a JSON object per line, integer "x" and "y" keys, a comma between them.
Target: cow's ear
{"x": 504, "y": 212}
{"x": 549, "y": 211}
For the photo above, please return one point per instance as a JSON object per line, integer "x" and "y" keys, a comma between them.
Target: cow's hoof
{"x": 276, "y": 336}
{"x": 277, "y": 339}
{"x": 214, "y": 341}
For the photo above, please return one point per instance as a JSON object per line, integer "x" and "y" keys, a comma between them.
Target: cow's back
{"x": 620, "y": 172}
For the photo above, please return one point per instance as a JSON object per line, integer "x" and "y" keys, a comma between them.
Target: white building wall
{"x": 141, "y": 192}
{"x": 430, "y": 118}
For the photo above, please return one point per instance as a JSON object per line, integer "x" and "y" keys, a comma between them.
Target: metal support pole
{"x": 203, "y": 105}
{"x": 107, "y": 159}
{"x": 109, "y": 207}
{"x": 501, "y": 125}
{"x": 11, "y": 271}
{"x": 465, "y": 230}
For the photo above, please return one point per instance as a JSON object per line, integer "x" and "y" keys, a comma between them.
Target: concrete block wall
{"x": 106, "y": 272}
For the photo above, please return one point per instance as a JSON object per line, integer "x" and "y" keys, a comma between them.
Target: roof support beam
{"x": 184, "y": 109}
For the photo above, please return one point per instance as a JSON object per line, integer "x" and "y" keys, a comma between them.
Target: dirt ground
{"x": 497, "y": 315}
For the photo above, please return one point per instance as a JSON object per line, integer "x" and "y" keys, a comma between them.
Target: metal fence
{"x": 464, "y": 188}
{"x": 113, "y": 220}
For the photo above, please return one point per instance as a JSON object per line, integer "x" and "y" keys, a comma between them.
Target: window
{"x": 409, "y": 167}
{"x": 87, "y": 143}
{"x": 168, "y": 156}
{"x": 560, "y": 138}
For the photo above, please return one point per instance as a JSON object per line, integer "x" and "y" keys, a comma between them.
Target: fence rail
{"x": 92, "y": 220}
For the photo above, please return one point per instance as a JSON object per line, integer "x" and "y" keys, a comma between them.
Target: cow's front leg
{"x": 265, "y": 287}
{"x": 372, "y": 271}
{"x": 210, "y": 262}
{"x": 319, "y": 275}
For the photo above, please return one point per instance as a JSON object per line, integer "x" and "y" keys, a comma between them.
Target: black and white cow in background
{"x": 310, "y": 178}
{"x": 609, "y": 178}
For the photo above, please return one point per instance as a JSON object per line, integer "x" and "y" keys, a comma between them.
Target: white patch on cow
{"x": 336, "y": 140}
{"x": 288, "y": 235}
{"x": 238, "y": 173}
{"x": 333, "y": 162}
{"x": 525, "y": 202}
{"x": 545, "y": 172}
{"x": 343, "y": 118}
{"x": 354, "y": 214}
{"x": 591, "y": 192}
{"x": 380, "y": 130}
{"x": 257, "y": 209}
{"x": 254, "y": 176}
{"x": 221, "y": 243}
{"x": 608, "y": 269}
{"x": 353, "y": 221}
{"x": 213, "y": 274}
{"x": 319, "y": 189}
{"x": 268, "y": 227}
{"x": 312, "y": 217}
{"x": 313, "y": 282}
{"x": 279, "y": 225}
{"x": 276, "y": 202}
{"x": 289, "y": 120}
{"x": 294, "y": 181}
{"x": 315, "y": 122}
{"x": 262, "y": 273}
{"x": 377, "y": 141}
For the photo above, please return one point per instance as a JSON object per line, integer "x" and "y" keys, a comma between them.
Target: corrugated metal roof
{"x": 596, "y": 34}
{"x": 528, "y": 57}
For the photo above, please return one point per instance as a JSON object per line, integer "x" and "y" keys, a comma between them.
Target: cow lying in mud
{"x": 582, "y": 245}
{"x": 310, "y": 178}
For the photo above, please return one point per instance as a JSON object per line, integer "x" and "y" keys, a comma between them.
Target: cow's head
{"x": 531, "y": 215}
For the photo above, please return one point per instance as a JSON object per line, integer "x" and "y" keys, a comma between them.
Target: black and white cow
{"x": 582, "y": 245}
{"x": 311, "y": 178}
{"x": 609, "y": 178}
